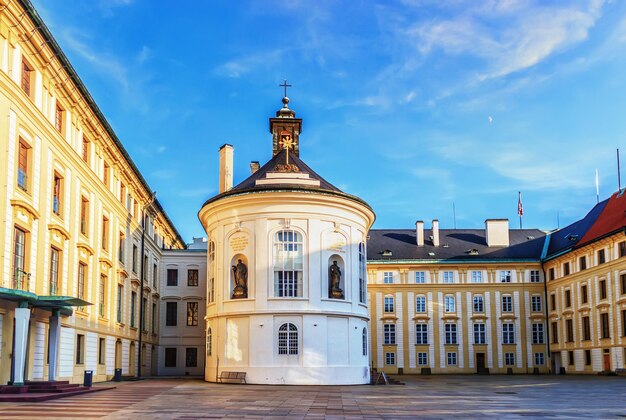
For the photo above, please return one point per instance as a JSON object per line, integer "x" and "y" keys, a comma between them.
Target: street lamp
{"x": 142, "y": 274}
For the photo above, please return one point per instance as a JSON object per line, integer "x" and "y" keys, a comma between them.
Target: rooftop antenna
{"x": 597, "y": 187}
{"x": 619, "y": 180}
{"x": 558, "y": 221}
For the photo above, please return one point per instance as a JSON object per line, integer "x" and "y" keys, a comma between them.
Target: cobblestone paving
{"x": 421, "y": 397}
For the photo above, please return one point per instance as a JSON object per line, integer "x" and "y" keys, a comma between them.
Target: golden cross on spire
{"x": 287, "y": 142}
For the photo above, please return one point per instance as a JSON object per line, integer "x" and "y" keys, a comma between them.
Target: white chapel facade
{"x": 286, "y": 272}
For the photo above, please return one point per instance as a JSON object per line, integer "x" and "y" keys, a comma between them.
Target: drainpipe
{"x": 142, "y": 277}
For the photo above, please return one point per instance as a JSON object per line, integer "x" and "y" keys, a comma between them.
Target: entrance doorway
{"x": 131, "y": 360}
{"x": 556, "y": 363}
{"x": 153, "y": 362}
{"x": 607, "y": 362}
{"x": 118, "y": 354}
{"x": 480, "y": 363}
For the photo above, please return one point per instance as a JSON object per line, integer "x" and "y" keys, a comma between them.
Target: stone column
{"x": 22, "y": 318}
{"x": 53, "y": 344}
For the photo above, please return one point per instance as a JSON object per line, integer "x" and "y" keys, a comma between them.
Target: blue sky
{"x": 411, "y": 105}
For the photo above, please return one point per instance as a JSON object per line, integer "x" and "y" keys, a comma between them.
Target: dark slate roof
{"x": 455, "y": 244}
{"x": 571, "y": 235}
{"x": 280, "y": 158}
{"x": 611, "y": 220}
{"x": 248, "y": 185}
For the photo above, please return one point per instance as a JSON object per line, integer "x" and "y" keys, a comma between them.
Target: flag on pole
{"x": 597, "y": 188}
{"x": 520, "y": 208}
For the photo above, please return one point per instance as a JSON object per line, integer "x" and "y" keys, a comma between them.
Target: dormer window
{"x": 386, "y": 253}
{"x": 472, "y": 251}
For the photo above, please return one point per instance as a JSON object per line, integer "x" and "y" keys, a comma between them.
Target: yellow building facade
{"x": 75, "y": 216}
{"x": 457, "y": 301}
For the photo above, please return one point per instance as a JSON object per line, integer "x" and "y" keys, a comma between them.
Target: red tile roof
{"x": 611, "y": 220}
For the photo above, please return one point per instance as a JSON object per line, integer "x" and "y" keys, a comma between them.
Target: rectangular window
{"x": 122, "y": 192}
{"x": 505, "y": 276}
{"x": 448, "y": 276}
{"x": 155, "y": 275}
{"x": 192, "y": 277}
{"x": 420, "y": 277}
{"x": 420, "y": 304}
{"x": 587, "y": 357}
{"x": 601, "y": 256}
{"x": 57, "y": 185}
{"x": 582, "y": 263}
{"x": 553, "y": 302}
{"x": 389, "y": 333}
{"x": 451, "y": 336}
{"x": 479, "y": 334}
{"x": 84, "y": 216}
{"x": 54, "y": 271}
{"x": 172, "y": 277}
{"x": 421, "y": 333}
{"x": 622, "y": 249}
{"x": 170, "y": 357}
{"x": 58, "y": 118}
{"x": 102, "y": 298}
{"x": 570, "y": 358}
{"x": 479, "y": 303}
{"x": 451, "y": 358}
{"x": 106, "y": 174}
{"x": 390, "y": 359}
{"x": 133, "y": 309}
{"x": 586, "y": 328}
{"x": 101, "y": 351}
{"x": 22, "y": 165}
{"x": 171, "y": 314}
{"x": 602, "y": 289}
{"x": 604, "y": 321}
{"x": 551, "y": 273}
{"x": 120, "y": 300}
{"x": 105, "y": 233}
{"x": 134, "y": 258}
{"x": 622, "y": 279}
{"x": 422, "y": 359}
{"x": 555, "y": 333}
{"x": 507, "y": 303}
{"x": 449, "y": 304}
{"x": 624, "y": 323}
{"x": 388, "y": 304}
{"x": 86, "y": 145}
{"x": 509, "y": 359}
{"x": 508, "y": 333}
{"x": 538, "y": 333}
{"x": 82, "y": 269}
{"x": 27, "y": 75}
{"x": 536, "y": 303}
{"x": 566, "y": 269}
{"x": 192, "y": 314}
{"x": 584, "y": 296}
{"x": 534, "y": 276}
{"x": 569, "y": 329}
{"x": 121, "y": 247}
{"x": 539, "y": 359}
{"x": 388, "y": 277}
{"x": 477, "y": 276}
{"x": 153, "y": 315}
{"x": 80, "y": 349}
{"x": 20, "y": 277}
{"x": 191, "y": 357}
{"x": 568, "y": 298}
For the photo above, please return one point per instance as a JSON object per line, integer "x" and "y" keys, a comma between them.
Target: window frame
{"x": 288, "y": 247}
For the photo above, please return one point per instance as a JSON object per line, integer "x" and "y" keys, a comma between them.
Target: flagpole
{"x": 597, "y": 188}
{"x": 520, "y": 208}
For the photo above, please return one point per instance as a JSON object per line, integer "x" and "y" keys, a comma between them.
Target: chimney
{"x": 226, "y": 168}
{"x": 254, "y": 166}
{"x": 419, "y": 232}
{"x": 436, "y": 232}
{"x": 497, "y": 232}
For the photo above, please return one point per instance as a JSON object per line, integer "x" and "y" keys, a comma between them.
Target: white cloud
{"x": 241, "y": 66}
{"x": 509, "y": 36}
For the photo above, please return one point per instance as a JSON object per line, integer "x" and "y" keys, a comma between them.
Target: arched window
{"x": 288, "y": 339}
{"x": 364, "y": 341}
{"x": 209, "y": 342}
{"x": 211, "y": 285}
{"x": 362, "y": 273}
{"x": 288, "y": 257}
{"x": 449, "y": 304}
{"x": 479, "y": 305}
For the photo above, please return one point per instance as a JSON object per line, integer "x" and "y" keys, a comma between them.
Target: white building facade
{"x": 289, "y": 318}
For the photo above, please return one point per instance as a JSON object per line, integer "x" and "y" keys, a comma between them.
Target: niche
{"x": 239, "y": 277}
{"x": 336, "y": 277}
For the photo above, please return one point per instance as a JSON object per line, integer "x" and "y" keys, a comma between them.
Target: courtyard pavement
{"x": 421, "y": 397}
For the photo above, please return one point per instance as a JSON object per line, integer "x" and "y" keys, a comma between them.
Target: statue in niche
{"x": 240, "y": 275}
{"x": 334, "y": 279}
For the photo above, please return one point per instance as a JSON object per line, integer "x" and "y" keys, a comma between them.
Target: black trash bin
{"x": 88, "y": 381}
{"x": 117, "y": 377}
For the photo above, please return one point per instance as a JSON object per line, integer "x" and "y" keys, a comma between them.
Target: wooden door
{"x": 607, "y": 362}
{"x": 480, "y": 362}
